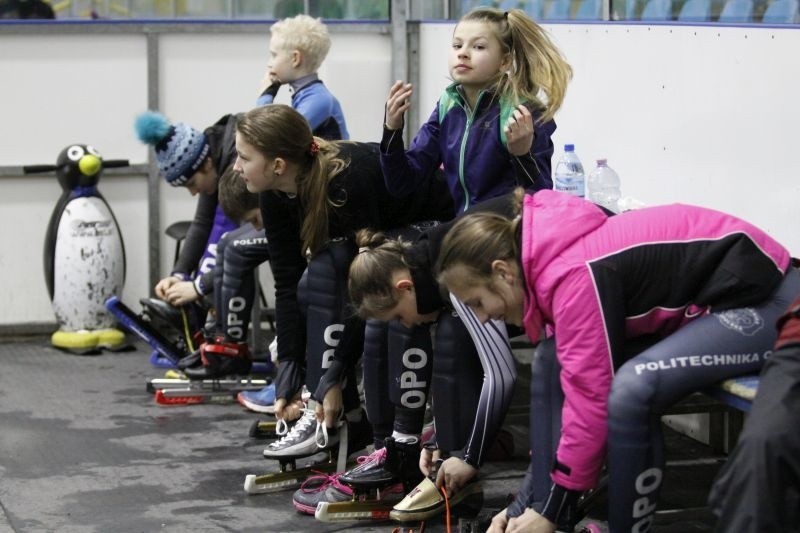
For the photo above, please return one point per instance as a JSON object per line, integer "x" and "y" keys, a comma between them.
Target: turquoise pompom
{"x": 152, "y": 127}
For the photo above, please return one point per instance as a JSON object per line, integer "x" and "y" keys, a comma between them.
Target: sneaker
{"x": 427, "y": 501}
{"x": 320, "y": 488}
{"x": 302, "y": 440}
{"x": 260, "y": 401}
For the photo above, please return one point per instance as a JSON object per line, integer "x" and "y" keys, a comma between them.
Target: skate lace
{"x": 376, "y": 457}
{"x": 322, "y": 481}
{"x": 297, "y": 431}
{"x": 281, "y": 427}
{"x": 322, "y": 430}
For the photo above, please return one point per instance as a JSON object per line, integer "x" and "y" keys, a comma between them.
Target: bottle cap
{"x": 602, "y": 162}
{"x": 569, "y": 147}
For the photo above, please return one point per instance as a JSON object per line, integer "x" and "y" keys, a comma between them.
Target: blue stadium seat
{"x": 558, "y": 10}
{"x": 590, "y": 10}
{"x": 737, "y": 11}
{"x": 533, "y": 8}
{"x": 781, "y": 12}
{"x": 657, "y": 10}
{"x": 695, "y": 11}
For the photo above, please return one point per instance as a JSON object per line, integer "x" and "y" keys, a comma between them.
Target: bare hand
{"x": 331, "y": 407}
{"x": 519, "y": 131}
{"x": 427, "y": 458}
{"x": 398, "y": 102}
{"x": 164, "y": 284}
{"x": 530, "y": 522}
{"x": 181, "y": 293}
{"x": 499, "y": 523}
{"x": 288, "y": 411}
{"x": 266, "y": 81}
{"x": 454, "y": 473}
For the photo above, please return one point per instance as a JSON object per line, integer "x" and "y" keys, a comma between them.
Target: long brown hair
{"x": 475, "y": 242}
{"x": 278, "y": 130}
{"x": 539, "y": 73}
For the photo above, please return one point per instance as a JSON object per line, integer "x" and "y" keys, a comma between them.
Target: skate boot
{"x": 222, "y": 359}
{"x": 396, "y": 462}
{"x": 426, "y": 500}
{"x": 375, "y": 484}
{"x": 320, "y": 488}
{"x": 306, "y": 438}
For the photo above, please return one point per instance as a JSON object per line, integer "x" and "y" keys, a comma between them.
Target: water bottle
{"x": 602, "y": 186}
{"x": 569, "y": 176}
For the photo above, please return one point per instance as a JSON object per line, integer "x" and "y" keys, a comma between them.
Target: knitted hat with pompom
{"x": 180, "y": 149}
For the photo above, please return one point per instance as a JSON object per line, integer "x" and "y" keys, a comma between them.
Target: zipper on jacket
{"x": 470, "y": 118}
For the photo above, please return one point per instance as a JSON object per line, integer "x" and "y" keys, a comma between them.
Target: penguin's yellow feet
{"x": 110, "y": 339}
{"x": 82, "y": 342}
{"x": 88, "y": 342}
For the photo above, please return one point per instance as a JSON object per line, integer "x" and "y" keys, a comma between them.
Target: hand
{"x": 288, "y": 411}
{"x": 164, "y": 284}
{"x": 331, "y": 407}
{"x": 267, "y": 81}
{"x": 530, "y": 522}
{"x": 181, "y": 293}
{"x": 499, "y": 523}
{"x": 398, "y": 102}
{"x": 454, "y": 473}
{"x": 427, "y": 458}
{"x": 519, "y": 131}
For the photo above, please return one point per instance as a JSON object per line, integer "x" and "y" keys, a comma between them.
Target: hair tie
{"x": 363, "y": 249}
{"x": 313, "y": 149}
{"x": 505, "y": 15}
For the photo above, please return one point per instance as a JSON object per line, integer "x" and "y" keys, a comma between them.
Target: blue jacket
{"x": 312, "y": 99}
{"x": 472, "y": 149}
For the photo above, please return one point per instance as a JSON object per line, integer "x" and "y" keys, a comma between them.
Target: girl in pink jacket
{"x": 646, "y": 307}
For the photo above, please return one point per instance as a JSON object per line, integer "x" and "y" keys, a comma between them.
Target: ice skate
{"x": 312, "y": 440}
{"x": 318, "y": 489}
{"x": 426, "y": 500}
{"x": 378, "y": 483}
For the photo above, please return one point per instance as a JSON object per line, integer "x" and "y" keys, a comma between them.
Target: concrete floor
{"x": 84, "y": 448}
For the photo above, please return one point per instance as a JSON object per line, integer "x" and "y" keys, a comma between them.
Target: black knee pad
{"x": 457, "y": 382}
{"x": 326, "y": 298}
{"x": 410, "y": 356}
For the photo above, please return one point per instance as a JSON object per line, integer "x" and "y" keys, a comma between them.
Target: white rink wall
{"x": 695, "y": 114}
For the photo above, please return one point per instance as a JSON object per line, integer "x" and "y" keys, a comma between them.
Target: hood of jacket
{"x": 551, "y": 223}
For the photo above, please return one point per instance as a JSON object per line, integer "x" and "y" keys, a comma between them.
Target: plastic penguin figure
{"x": 84, "y": 256}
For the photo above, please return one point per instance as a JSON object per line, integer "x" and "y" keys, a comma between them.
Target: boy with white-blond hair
{"x": 297, "y": 47}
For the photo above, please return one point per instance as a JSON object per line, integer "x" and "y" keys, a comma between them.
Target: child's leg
{"x": 499, "y": 375}
{"x": 457, "y": 381}
{"x": 244, "y": 252}
{"x": 410, "y": 354}
{"x": 326, "y": 319}
{"x": 380, "y": 410}
{"x": 707, "y": 350}
{"x": 758, "y": 488}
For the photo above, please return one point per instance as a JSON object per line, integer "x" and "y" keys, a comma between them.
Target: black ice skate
{"x": 378, "y": 482}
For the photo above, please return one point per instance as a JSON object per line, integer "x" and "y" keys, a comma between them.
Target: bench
{"x": 738, "y": 393}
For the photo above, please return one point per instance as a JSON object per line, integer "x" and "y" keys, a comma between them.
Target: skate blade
{"x": 237, "y": 385}
{"x": 353, "y": 511}
{"x": 264, "y": 429}
{"x": 193, "y": 397}
{"x": 278, "y": 481}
